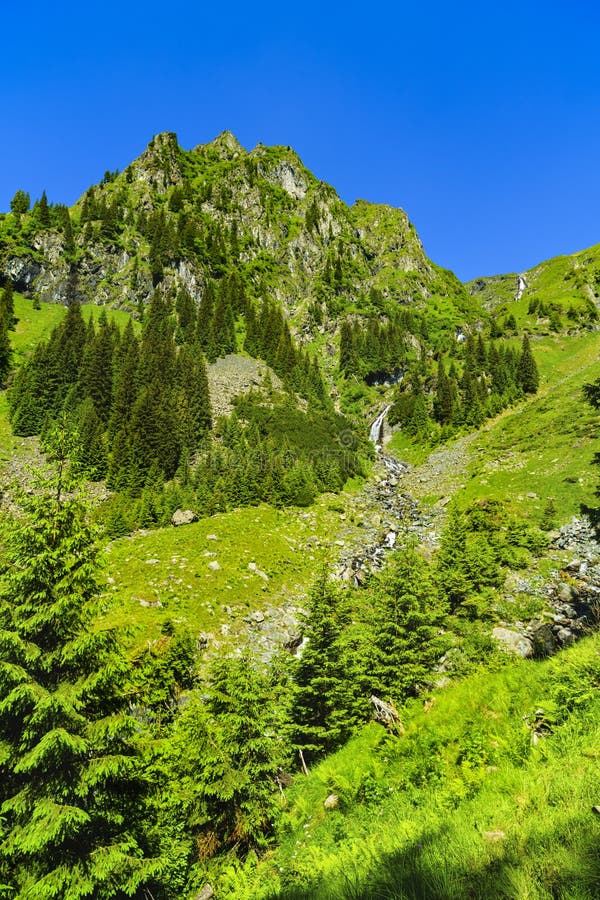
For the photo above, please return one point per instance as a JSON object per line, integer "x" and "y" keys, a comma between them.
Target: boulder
{"x": 252, "y": 567}
{"x": 214, "y": 565}
{"x": 183, "y": 517}
{"x": 542, "y": 637}
{"x": 513, "y": 641}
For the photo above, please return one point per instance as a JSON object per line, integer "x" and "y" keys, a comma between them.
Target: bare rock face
{"x": 513, "y": 641}
{"x": 183, "y": 517}
{"x": 290, "y": 180}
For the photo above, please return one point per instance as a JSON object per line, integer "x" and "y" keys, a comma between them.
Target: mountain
{"x": 177, "y": 217}
{"x": 329, "y": 678}
{"x": 563, "y": 291}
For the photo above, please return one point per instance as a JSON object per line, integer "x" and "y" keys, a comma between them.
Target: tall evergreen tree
{"x": 5, "y": 348}
{"x": 7, "y": 304}
{"x": 407, "y": 639}
{"x": 227, "y": 750}
{"x": 527, "y": 372}
{"x": 71, "y": 782}
{"x": 322, "y": 701}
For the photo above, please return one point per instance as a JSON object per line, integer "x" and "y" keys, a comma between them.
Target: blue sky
{"x": 482, "y": 123}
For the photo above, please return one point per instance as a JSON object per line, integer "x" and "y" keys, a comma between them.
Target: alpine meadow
{"x": 299, "y": 561}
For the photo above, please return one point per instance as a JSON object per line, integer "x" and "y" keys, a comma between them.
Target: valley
{"x": 264, "y": 466}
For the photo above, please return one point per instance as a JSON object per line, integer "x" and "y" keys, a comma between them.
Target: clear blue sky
{"x": 481, "y": 120}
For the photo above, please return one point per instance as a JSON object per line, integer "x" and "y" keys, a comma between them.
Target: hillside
{"x": 556, "y": 294}
{"x": 246, "y": 651}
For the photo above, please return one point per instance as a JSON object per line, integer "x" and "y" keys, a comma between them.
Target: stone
{"x": 257, "y": 617}
{"x": 542, "y": 637}
{"x": 212, "y": 537}
{"x": 252, "y": 567}
{"x": 150, "y": 604}
{"x": 214, "y": 565}
{"x": 183, "y": 517}
{"x": 564, "y": 593}
{"x": 293, "y": 640}
{"x": 494, "y": 835}
{"x": 513, "y": 641}
{"x": 565, "y": 636}
{"x": 207, "y": 893}
{"x": 332, "y": 802}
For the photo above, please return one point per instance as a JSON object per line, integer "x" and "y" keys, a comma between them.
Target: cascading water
{"x": 375, "y": 433}
{"x": 521, "y": 285}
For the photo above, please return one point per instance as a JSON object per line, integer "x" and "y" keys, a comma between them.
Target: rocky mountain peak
{"x": 160, "y": 164}
{"x": 226, "y": 144}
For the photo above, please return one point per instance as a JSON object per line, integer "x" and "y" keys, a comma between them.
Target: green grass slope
{"x": 543, "y": 446}
{"x": 561, "y": 292}
{"x": 466, "y": 803}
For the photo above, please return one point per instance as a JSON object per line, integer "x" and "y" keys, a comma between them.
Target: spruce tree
{"x": 7, "y": 304}
{"x": 226, "y": 752}
{"x": 322, "y": 701}
{"x": 443, "y": 403}
{"x": 407, "y": 637}
{"x": 71, "y": 778}
{"x": 452, "y": 561}
{"x": 5, "y": 348}
{"x": 527, "y": 372}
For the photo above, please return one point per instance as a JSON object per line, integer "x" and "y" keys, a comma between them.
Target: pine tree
{"x": 322, "y": 701}
{"x": 227, "y": 750}
{"x": 7, "y": 304}
{"x": 97, "y": 368}
{"x": 443, "y": 403}
{"x": 20, "y": 203}
{"x": 452, "y": 561}
{"x": 527, "y": 372}
{"x": 406, "y": 635}
{"x": 71, "y": 784}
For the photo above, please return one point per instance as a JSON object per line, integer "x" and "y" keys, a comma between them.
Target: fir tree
{"x": 452, "y": 561}
{"x": 227, "y": 751}
{"x": 443, "y": 405}
{"x": 322, "y": 700}
{"x": 7, "y": 304}
{"x": 20, "y": 203}
{"x": 5, "y": 348}
{"x": 71, "y": 777}
{"x": 527, "y": 372}
{"x": 407, "y": 637}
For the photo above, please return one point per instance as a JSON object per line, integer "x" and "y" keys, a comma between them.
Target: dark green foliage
{"x": 323, "y": 701}
{"x": 7, "y": 304}
{"x": 489, "y": 382}
{"x": 373, "y": 352}
{"x": 407, "y": 627}
{"x": 5, "y": 347}
{"x": 71, "y": 774}
{"x": 527, "y": 371}
{"x": 134, "y": 406}
{"x": 226, "y": 754}
{"x": 20, "y": 203}
{"x": 475, "y": 544}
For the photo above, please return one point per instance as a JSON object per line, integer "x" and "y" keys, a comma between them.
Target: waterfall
{"x": 376, "y": 431}
{"x": 521, "y": 285}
